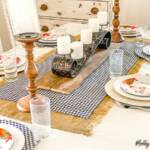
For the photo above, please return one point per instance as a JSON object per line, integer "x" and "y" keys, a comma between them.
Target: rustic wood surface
{"x": 54, "y": 13}
{"x": 77, "y": 9}
{"x": 67, "y": 85}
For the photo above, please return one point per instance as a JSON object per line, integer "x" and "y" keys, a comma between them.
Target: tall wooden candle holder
{"x": 116, "y": 35}
{"x": 30, "y": 71}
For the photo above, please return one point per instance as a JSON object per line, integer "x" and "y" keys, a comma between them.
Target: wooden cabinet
{"x": 57, "y": 12}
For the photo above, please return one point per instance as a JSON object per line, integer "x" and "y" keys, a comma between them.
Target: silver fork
{"x": 128, "y": 106}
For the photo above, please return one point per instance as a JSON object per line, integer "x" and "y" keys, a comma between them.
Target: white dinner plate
{"x": 19, "y": 69}
{"x": 146, "y": 50}
{"x": 131, "y": 35}
{"x": 6, "y": 139}
{"x": 117, "y": 88}
{"x": 18, "y": 136}
{"x": 22, "y": 61}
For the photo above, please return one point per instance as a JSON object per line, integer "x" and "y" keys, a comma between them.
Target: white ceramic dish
{"x": 22, "y": 61}
{"x": 19, "y": 69}
{"x": 18, "y": 136}
{"x": 146, "y": 50}
{"x": 131, "y": 35}
{"x": 6, "y": 139}
{"x": 117, "y": 88}
{"x": 138, "y": 86}
{"x": 109, "y": 88}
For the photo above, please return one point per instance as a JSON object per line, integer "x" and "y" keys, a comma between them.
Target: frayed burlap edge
{"x": 67, "y": 122}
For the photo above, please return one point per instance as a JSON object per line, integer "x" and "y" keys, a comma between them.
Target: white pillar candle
{"x": 102, "y": 17}
{"x": 23, "y": 16}
{"x": 93, "y": 24}
{"x": 63, "y": 45}
{"x": 86, "y": 36}
{"x": 77, "y": 48}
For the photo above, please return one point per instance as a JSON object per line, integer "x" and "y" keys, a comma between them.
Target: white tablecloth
{"x": 119, "y": 130}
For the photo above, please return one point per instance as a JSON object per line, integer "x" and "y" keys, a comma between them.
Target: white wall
{"x": 1, "y": 46}
{"x": 5, "y": 33}
{"x": 135, "y": 12}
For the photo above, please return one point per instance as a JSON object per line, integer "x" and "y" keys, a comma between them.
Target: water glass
{"x": 40, "y": 115}
{"x": 9, "y": 65}
{"x": 116, "y": 62}
{"x": 139, "y": 39}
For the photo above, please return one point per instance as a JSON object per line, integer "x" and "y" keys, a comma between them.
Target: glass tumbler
{"x": 9, "y": 65}
{"x": 40, "y": 115}
{"x": 139, "y": 39}
{"x": 116, "y": 62}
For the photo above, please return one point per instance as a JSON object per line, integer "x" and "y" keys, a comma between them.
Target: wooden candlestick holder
{"x": 30, "y": 71}
{"x": 116, "y": 35}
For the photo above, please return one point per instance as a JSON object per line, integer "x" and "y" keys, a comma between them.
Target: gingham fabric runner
{"x": 139, "y": 52}
{"x": 29, "y": 140}
{"x": 83, "y": 101}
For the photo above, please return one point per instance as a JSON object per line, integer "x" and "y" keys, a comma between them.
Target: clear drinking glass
{"x": 139, "y": 39}
{"x": 146, "y": 32}
{"x": 40, "y": 114}
{"x": 116, "y": 62}
{"x": 9, "y": 65}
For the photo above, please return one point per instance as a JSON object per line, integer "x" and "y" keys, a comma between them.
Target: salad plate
{"x": 146, "y": 50}
{"x": 6, "y": 139}
{"x": 19, "y": 69}
{"x": 17, "y": 138}
{"x": 133, "y": 88}
{"x": 129, "y": 31}
{"x": 20, "y": 60}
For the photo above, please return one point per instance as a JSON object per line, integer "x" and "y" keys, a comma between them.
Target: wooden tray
{"x": 65, "y": 85}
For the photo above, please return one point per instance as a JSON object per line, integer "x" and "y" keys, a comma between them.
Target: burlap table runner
{"x": 66, "y": 122}
{"x": 66, "y": 85}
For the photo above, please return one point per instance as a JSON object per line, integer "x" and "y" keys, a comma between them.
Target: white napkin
{"x": 145, "y": 69}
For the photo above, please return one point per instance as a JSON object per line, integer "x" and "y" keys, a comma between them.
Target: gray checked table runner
{"x": 83, "y": 101}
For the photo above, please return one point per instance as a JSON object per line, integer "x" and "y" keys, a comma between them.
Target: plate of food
{"x": 6, "y": 139}
{"x": 146, "y": 50}
{"x": 137, "y": 88}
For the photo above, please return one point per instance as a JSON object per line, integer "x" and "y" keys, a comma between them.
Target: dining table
{"x": 120, "y": 129}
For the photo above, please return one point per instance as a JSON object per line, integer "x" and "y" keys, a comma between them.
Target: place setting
{"x": 129, "y": 91}
{"x": 143, "y": 52}
{"x": 130, "y": 31}
{"x": 47, "y": 40}
{"x": 142, "y": 44}
{"x": 11, "y": 64}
